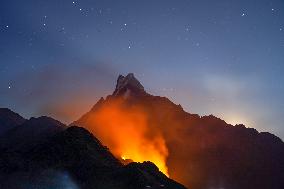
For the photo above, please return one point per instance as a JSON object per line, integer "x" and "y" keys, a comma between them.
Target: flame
{"x": 126, "y": 132}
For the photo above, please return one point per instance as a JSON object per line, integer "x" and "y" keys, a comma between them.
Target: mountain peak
{"x": 9, "y": 120}
{"x": 127, "y": 85}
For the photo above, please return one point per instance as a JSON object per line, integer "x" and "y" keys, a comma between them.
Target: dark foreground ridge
{"x": 54, "y": 156}
{"x": 204, "y": 152}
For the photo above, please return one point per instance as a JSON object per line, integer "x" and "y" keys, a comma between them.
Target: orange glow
{"x": 126, "y": 132}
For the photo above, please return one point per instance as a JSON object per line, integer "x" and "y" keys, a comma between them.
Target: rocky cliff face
{"x": 204, "y": 151}
{"x": 128, "y": 85}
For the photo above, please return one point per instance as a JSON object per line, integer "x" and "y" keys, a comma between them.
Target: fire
{"x": 126, "y": 132}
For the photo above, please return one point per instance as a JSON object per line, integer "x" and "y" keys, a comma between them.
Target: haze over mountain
{"x": 198, "y": 151}
{"x": 42, "y": 153}
{"x": 131, "y": 126}
{"x": 204, "y": 108}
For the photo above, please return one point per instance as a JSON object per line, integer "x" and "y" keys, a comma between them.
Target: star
{"x": 7, "y": 26}
{"x": 80, "y": 9}
{"x": 9, "y": 87}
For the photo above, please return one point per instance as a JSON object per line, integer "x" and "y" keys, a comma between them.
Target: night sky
{"x": 223, "y": 57}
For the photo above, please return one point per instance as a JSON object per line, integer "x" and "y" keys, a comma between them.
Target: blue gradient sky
{"x": 222, "y": 57}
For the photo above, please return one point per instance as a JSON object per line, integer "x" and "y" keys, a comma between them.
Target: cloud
{"x": 62, "y": 90}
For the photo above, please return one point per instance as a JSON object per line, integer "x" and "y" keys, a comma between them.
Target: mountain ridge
{"x": 9, "y": 119}
{"x": 204, "y": 151}
{"x": 201, "y": 151}
{"x": 43, "y": 153}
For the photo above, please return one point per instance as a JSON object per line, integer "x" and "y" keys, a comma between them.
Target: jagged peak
{"x": 128, "y": 84}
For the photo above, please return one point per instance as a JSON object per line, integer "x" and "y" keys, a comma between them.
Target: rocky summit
{"x": 203, "y": 151}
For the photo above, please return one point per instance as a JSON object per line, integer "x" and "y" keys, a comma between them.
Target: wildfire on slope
{"x": 126, "y": 132}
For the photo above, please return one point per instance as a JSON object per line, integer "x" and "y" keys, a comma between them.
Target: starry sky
{"x": 223, "y": 57}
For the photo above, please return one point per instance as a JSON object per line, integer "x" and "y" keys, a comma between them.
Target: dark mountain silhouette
{"x": 31, "y": 132}
{"x": 9, "y": 119}
{"x": 43, "y": 153}
{"x": 204, "y": 151}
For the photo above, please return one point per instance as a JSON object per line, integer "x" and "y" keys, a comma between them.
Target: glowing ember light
{"x": 126, "y": 131}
